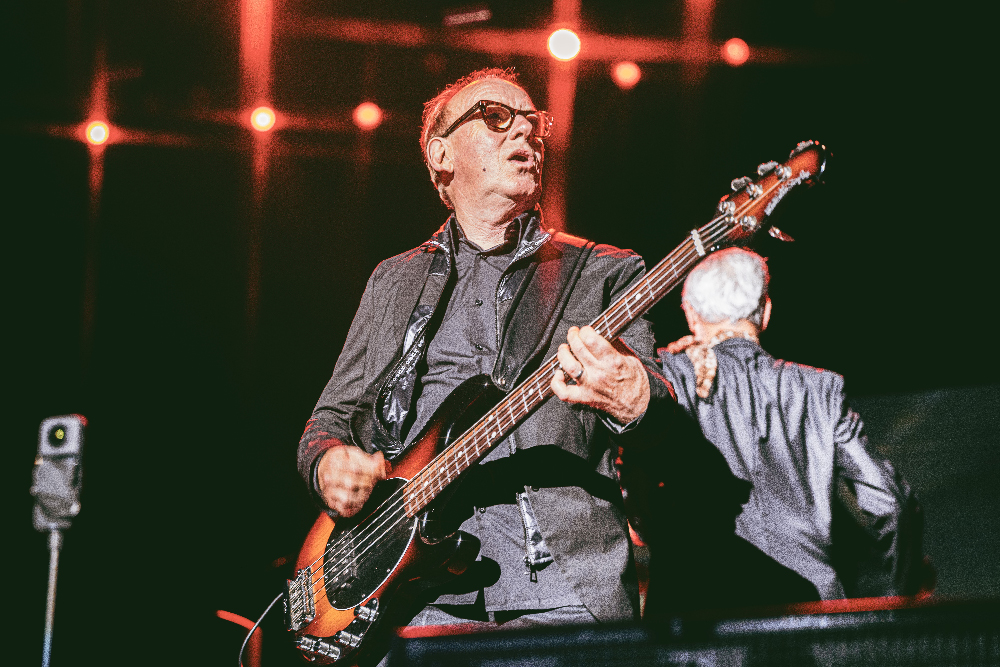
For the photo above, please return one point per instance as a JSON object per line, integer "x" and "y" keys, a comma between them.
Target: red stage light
{"x": 97, "y": 132}
{"x": 262, "y": 119}
{"x": 626, "y": 74}
{"x": 564, "y": 44}
{"x": 367, "y": 116}
{"x": 735, "y": 52}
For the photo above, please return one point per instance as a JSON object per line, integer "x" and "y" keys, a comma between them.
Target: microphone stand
{"x": 55, "y": 544}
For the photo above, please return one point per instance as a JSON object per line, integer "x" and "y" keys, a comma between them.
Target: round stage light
{"x": 735, "y": 52}
{"x": 367, "y": 116}
{"x": 262, "y": 119}
{"x": 626, "y": 74}
{"x": 564, "y": 44}
{"x": 97, "y": 132}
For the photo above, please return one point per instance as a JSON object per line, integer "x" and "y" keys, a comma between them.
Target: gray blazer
{"x": 570, "y": 474}
{"x": 788, "y": 430}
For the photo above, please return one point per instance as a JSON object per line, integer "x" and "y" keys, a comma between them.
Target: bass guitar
{"x": 351, "y": 572}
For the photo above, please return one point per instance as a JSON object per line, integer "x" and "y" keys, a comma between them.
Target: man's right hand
{"x": 346, "y": 476}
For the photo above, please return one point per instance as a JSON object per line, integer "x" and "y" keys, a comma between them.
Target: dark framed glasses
{"x": 499, "y": 117}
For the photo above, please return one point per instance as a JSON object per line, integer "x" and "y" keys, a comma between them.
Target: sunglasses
{"x": 499, "y": 117}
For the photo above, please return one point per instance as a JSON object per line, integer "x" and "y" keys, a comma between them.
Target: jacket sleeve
{"x": 661, "y": 410}
{"x": 877, "y": 523}
{"x": 329, "y": 425}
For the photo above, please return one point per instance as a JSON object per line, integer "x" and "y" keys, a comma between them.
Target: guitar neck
{"x": 521, "y": 402}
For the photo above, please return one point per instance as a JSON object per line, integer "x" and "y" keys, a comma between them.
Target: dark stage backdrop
{"x": 191, "y": 500}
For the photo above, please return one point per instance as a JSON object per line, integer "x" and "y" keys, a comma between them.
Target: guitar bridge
{"x": 300, "y": 602}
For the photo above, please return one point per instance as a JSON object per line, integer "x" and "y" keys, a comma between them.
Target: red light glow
{"x": 626, "y": 74}
{"x": 97, "y": 132}
{"x": 735, "y": 52}
{"x": 262, "y": 119}
{"x": 564, "y": 44}
{"x": 367, "y": 116}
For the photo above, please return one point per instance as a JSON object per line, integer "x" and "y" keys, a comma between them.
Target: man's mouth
{"x": 524, "y": 157}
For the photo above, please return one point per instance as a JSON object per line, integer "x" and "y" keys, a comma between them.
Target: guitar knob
{"x": 727, "y": 207}
{"x": 748, "y": 222}
{"x": 368, "y": 612}
{"x": 345, "y": 638}
{"x": 317, "y": 647}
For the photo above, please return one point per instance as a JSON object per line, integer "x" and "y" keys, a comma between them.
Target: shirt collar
{"x": 527, "y": 227}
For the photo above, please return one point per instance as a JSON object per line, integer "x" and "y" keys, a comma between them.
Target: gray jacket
{"x": 562, "y": 281}
{"x": 823, "y": 503}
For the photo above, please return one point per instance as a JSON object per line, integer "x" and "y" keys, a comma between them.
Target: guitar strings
{"x": 386, "y": 510}
{"x": 621, "y": 306}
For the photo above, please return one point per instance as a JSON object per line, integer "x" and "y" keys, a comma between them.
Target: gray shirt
{"x": 465, "y": 345}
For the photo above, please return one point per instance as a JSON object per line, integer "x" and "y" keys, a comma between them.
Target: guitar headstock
{"x": 747, "y": 208}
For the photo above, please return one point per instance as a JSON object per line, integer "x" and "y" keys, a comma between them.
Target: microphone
{"x": 58, "y": 473}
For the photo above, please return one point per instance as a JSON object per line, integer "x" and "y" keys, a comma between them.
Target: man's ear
{"x": 439, "y": 155}
{"x": 691, "y": 316}
{"x": 767, "y": 314}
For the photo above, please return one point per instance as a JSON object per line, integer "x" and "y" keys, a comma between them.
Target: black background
{"x": 190, "y": 491}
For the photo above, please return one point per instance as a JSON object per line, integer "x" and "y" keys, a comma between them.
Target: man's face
{"x": 490, "y": 165}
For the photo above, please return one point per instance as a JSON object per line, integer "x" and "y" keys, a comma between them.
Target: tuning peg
{"x": 764, "y": 168}
{"x": 801, "y": 146}
{"x": 780, "y": 235}
{"x": 740, "y": 183}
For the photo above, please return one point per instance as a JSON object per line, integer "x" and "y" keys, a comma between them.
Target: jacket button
{"x": 482, "y": 510}
{"x": 501, "y": 380}
{"x": 478, "y": 302}
{"x": 535, "y": 489}
{"x": 480, "y": 347}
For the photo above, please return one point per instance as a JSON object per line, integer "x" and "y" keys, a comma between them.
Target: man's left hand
{"x": 605, "y": 378}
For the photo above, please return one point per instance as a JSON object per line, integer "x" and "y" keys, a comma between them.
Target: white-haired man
{"x": 787, "y": 430}
{"x": 495, "y": 293}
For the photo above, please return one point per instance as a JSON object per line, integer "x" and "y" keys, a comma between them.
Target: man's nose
{"x": 520, "y": 127}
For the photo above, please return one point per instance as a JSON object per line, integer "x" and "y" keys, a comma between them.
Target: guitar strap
{"x": 390, "y": 396}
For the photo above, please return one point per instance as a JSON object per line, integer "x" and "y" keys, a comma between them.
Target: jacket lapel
{"x": 544, "y": 289}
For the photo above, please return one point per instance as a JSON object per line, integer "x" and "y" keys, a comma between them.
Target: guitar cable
{"x": 239, "y": 658}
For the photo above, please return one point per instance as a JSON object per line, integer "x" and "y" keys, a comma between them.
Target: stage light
{"x": 262, "y": 119}
{"x": 564, "y": 44}
{"x": 626, "y": 74}
{"x": 735, "y": 52}
{"x": 468, "y": 15}
{"x": 367, "y": 116}
{"x": 97, "y": 132}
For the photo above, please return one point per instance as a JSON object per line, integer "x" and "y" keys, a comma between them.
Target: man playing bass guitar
{"x": 493, "y": 292}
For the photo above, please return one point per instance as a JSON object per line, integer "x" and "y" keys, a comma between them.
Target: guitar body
{"x": 349, "y": 568}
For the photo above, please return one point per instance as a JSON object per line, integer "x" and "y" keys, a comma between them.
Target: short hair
{"x": 729, "y": 285}
{"x": 434, "y": 118}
